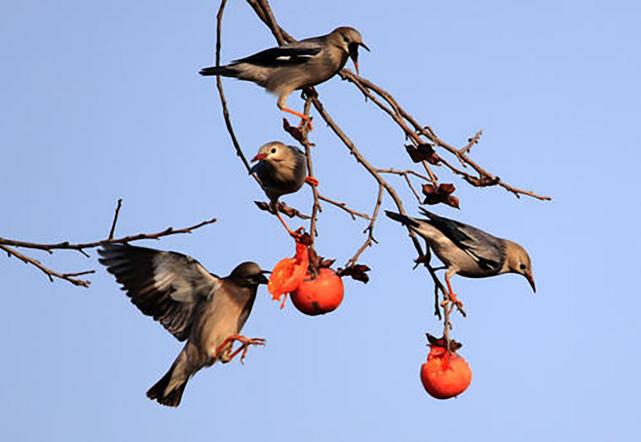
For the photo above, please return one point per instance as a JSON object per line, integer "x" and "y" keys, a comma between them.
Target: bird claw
{"x": 452, "y": 298}
{"x": 244, "y": 348}
{"x": 305, "y": 124}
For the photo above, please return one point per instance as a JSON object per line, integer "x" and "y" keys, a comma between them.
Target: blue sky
{"x": 102, "y": 101}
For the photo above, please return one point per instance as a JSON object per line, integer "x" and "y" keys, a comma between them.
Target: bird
{"x": 281, "y": 169}
{"x": 296, "y": 65}
{"x": 206, "y": 311}
{"x": 468, "y": 251}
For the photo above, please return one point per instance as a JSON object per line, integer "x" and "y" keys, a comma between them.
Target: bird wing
{"x": 167, "y": 286}
{"x": 486, "y": 249}
{"x": 293, "y": 54}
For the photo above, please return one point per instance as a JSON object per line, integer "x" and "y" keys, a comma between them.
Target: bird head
{"x": 518, "y": 261}
{"x": 274, "y": 151}
{"x": 348, "y": 39}
{"x": 248, "y": 274}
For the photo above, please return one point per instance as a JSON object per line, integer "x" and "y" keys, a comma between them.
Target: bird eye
{"x": 346, "y": 39}
{"x": 273, "y": 150}
{"x": 523, "y": 267}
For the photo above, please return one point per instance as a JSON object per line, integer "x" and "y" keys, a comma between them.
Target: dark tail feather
{"x": 430, "y": 215}
{"x": 225, "y": 71}
{"x": 173, "y": 397}
{"x": 405, "y": 220}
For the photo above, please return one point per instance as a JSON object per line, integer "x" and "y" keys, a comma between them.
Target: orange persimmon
{"x": 320, "y": 295}
{"x": 445, "y": 374}
{"x": 288, "y": 274}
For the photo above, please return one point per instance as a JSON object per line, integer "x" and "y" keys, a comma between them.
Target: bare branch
{"x": 343, "y": 206}
{"x": 113, "y": 224}
{"x": 10, "y": 245}
{"x": 51, "y": 274}
{"x": 66, "y": 245}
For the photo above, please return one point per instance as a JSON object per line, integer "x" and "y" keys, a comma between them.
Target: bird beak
{"x": 259, "y": 157}
{"x": 353, "y": 54}
{"x": 530, "y": 279}
{"x": 262, "y": 279}
{"x": 365, "y": 46}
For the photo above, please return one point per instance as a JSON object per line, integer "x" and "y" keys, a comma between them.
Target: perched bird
{"x": 296, "y": 65}
{"x": 468, "y": 251}
{"x": 192, "y": 304}
{"x": 281, "y": 169}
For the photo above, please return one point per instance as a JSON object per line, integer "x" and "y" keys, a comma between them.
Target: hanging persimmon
{"x": 320, "y": 295}
{"x": 445, "y": 374}
{"x": 288, "y": 274}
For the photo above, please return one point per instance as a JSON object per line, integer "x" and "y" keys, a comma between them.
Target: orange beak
{"x": 259, "y": 157}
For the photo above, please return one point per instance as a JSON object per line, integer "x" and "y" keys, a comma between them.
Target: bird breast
{"x": 282, "y": 178}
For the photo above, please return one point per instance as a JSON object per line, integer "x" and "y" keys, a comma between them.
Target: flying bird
{"x": 468, "y": 251}
{"x": 206, "y": 311}
{"x": 296, "y": 65}
{"x": 281, "y": 169}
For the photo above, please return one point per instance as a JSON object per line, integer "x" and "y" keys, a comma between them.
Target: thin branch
{"x": 221, "y": 91}
{"x": 113, "y": 223}
{"x": 343, "y": 206}
{"x": 406, "y": 175}
{"x": 9, "y": 245}
{"x": 66, "y": 245}
{"x": 370, "y": 240}
{"x": 51, "y": 274}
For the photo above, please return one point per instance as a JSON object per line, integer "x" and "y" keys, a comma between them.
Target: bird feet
{"x": 305, "y": 120}
{"x": 305, "y": 123}
{"x": 312, "y": 181}
{"x": 244, "y": 347}
{"x": 451, "y": 297}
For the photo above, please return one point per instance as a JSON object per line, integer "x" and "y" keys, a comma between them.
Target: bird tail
{"x": 169, "y": 389}
{"x": 225, "y": 71}
{"x": 430, "y": 215}
{"x": 405, "y": 220}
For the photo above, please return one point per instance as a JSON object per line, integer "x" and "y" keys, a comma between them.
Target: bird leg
{"x": 312, "y": 181}
{"x": 305, "y": 120}
{"x": 451, "y": 294}
{"x": 245, "y": 343}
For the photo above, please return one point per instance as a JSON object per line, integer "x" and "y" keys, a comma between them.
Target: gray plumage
{"x": 192, "y": 304}
{"x": 296, "y": 65}
{"x": 281, "y": 169}
{"x": 466, "y": 250}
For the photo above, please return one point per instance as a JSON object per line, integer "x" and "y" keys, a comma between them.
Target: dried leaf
{"x": 356, "y": 272}
{"x": 298, "y": 133}
{"x": 446, "y": 188}
{"x": 483, "y": 181}
{"x": 441, "y": 342}
{"x": 442, "y": 194}
{"x": 422, "y": 152}
{"x": 326, "y": 263}
{"x": 453, "y": 201}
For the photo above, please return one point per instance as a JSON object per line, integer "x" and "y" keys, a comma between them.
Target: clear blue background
{"x": 103, "y": 100}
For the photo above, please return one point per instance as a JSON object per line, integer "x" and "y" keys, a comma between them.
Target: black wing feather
{"x": 164, "y": 285}
{"x": 283, "y": 56}
{"x": 486, "y": 249}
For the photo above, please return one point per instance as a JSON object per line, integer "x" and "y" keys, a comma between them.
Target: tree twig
{"x": 9, "y": 246}
{"x": 115, "y": 220}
